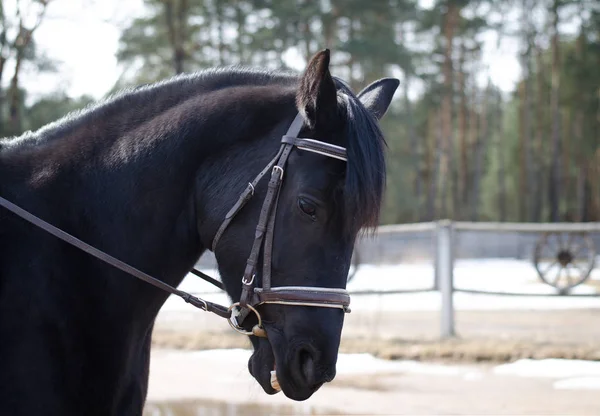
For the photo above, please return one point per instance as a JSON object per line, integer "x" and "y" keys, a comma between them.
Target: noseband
{"x": 252, "y": 296}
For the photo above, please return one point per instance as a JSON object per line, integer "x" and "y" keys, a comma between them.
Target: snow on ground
{"x": 572, "y": 374}
{"x": 578, "y": 383}
{"x": 551, "y": 368}
{"x": 500, "y": 275}
{"x": 567, "y": 374}
{"x": 357, "y": 364}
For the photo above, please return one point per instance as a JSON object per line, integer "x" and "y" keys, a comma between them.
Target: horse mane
{"x": 366, "y": 170}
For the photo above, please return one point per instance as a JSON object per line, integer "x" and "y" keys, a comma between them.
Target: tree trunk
{"x": 540, "y": 160}
{"x": 435, "y": 131}
{"x": 479, "y": 156}
{"x": 307, "y": 36}
{"x": 21, "y": 43}
{"x": 501, "y": 164}
{"x": 176, "y": 20}
{"x": 555, "y": 176}
{"x": 180, "y": 53}
{"x": 472, "y": 134}
{"x": 221, "y": 33}
{"x": 240, "y": 18}
{"x": 462, "y": 130}
{"x": 527, "y": 196}
{"x": 15, "y": 94}
{"x": 415, "y": 147}
{"x": 330, "y": 25}
{"x": 449, "y": 25}
{"x": 566, "y": 165}
{"x": 522, "y": 160}
{"x": 352, "y": 62}
{"x": 578, "y": 124}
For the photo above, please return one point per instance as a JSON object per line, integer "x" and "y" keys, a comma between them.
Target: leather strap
{"x": 207, "y": 278}
{"x": 268, "y": 246}
{"x": 293, "y": 130}
{"x": 308, "y": 296}
{"x": 316, "y": 146}
{"x": 243, "y": 199}
{"x": 68, "y": 238}
{"x": 261, "y": 227}
{"x": 247, "y": 296}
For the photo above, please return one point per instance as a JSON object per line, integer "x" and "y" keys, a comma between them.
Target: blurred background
{"x": 496, "y": 127}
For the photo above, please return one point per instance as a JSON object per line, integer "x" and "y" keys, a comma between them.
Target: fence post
{"x": 445, "y": 273}
{"x": 436, "y": 258}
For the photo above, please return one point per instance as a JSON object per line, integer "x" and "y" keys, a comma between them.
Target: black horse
{"x": 148, "y": 176}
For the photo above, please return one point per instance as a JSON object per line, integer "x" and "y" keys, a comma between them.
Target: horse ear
{"x": 378, "y": 96}
{"x": 317, "y": 98}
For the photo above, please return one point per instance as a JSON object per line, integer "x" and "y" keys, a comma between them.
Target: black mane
{"x": 365, "y": 170}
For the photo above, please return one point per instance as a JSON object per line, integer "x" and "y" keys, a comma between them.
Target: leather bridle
{"x": 252, "y": 296}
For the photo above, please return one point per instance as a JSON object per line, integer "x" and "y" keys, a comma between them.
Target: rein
{"x": 252, "y": 296}
{"x": 107, "y": 258}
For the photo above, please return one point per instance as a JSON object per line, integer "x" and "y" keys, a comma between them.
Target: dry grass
{"x": 452, "y": 350}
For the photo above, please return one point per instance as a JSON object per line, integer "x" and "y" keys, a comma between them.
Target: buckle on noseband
{"x": 257, "y": 330}
{"x": 248, "y": 282}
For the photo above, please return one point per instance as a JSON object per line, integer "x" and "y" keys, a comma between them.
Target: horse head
{"x": 322, "y": 204}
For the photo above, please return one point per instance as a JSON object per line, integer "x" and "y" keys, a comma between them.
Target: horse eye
{"x": 308, "y": 208}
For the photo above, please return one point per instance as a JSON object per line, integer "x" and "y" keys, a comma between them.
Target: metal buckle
{"x": 248, "y": 282}
{"x": 204, "y": 304}
{"x": 251, "y": 188}
{"x": 280, "y": 169}
{"x": 237, "y": 327}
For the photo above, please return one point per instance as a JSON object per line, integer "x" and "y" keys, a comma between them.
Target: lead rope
{"x": 199, "y": 303}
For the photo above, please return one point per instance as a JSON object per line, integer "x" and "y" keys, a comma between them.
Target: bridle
{"x": 252, "y": 296}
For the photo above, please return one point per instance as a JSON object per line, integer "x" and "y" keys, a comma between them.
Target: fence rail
{"x": 527, "y": 227}
{"x": 492, "y": 226}
{"x": 444, "y": 260}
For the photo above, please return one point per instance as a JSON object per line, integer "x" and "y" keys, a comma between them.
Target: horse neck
{"x": 129, "y": 190}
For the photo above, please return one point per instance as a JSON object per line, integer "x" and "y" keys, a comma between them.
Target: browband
{"x": 316, "y": 146}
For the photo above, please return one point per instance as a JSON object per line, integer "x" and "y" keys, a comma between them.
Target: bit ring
{"x": 238, "y": 328}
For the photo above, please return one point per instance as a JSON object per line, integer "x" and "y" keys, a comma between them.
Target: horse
{"x": 147, "y": 176}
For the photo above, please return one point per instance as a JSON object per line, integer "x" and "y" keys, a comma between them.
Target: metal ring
{"x": 239, "y": 328}
{"x": 251, "y": 188}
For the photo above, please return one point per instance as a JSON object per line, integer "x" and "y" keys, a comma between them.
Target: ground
{"x": 217, "y": 382}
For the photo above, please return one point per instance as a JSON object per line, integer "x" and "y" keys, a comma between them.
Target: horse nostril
{"x": 306, "y": 363}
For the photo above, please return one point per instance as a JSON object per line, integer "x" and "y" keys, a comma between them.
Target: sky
{"x": 83, "y": 35}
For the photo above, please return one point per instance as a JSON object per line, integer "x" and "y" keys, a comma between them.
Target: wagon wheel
{"x": 354, "y": 264}
{"x": 564, "y": 260}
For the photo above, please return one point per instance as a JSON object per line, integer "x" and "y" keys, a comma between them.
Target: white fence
{"x": 445, "y": 234}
